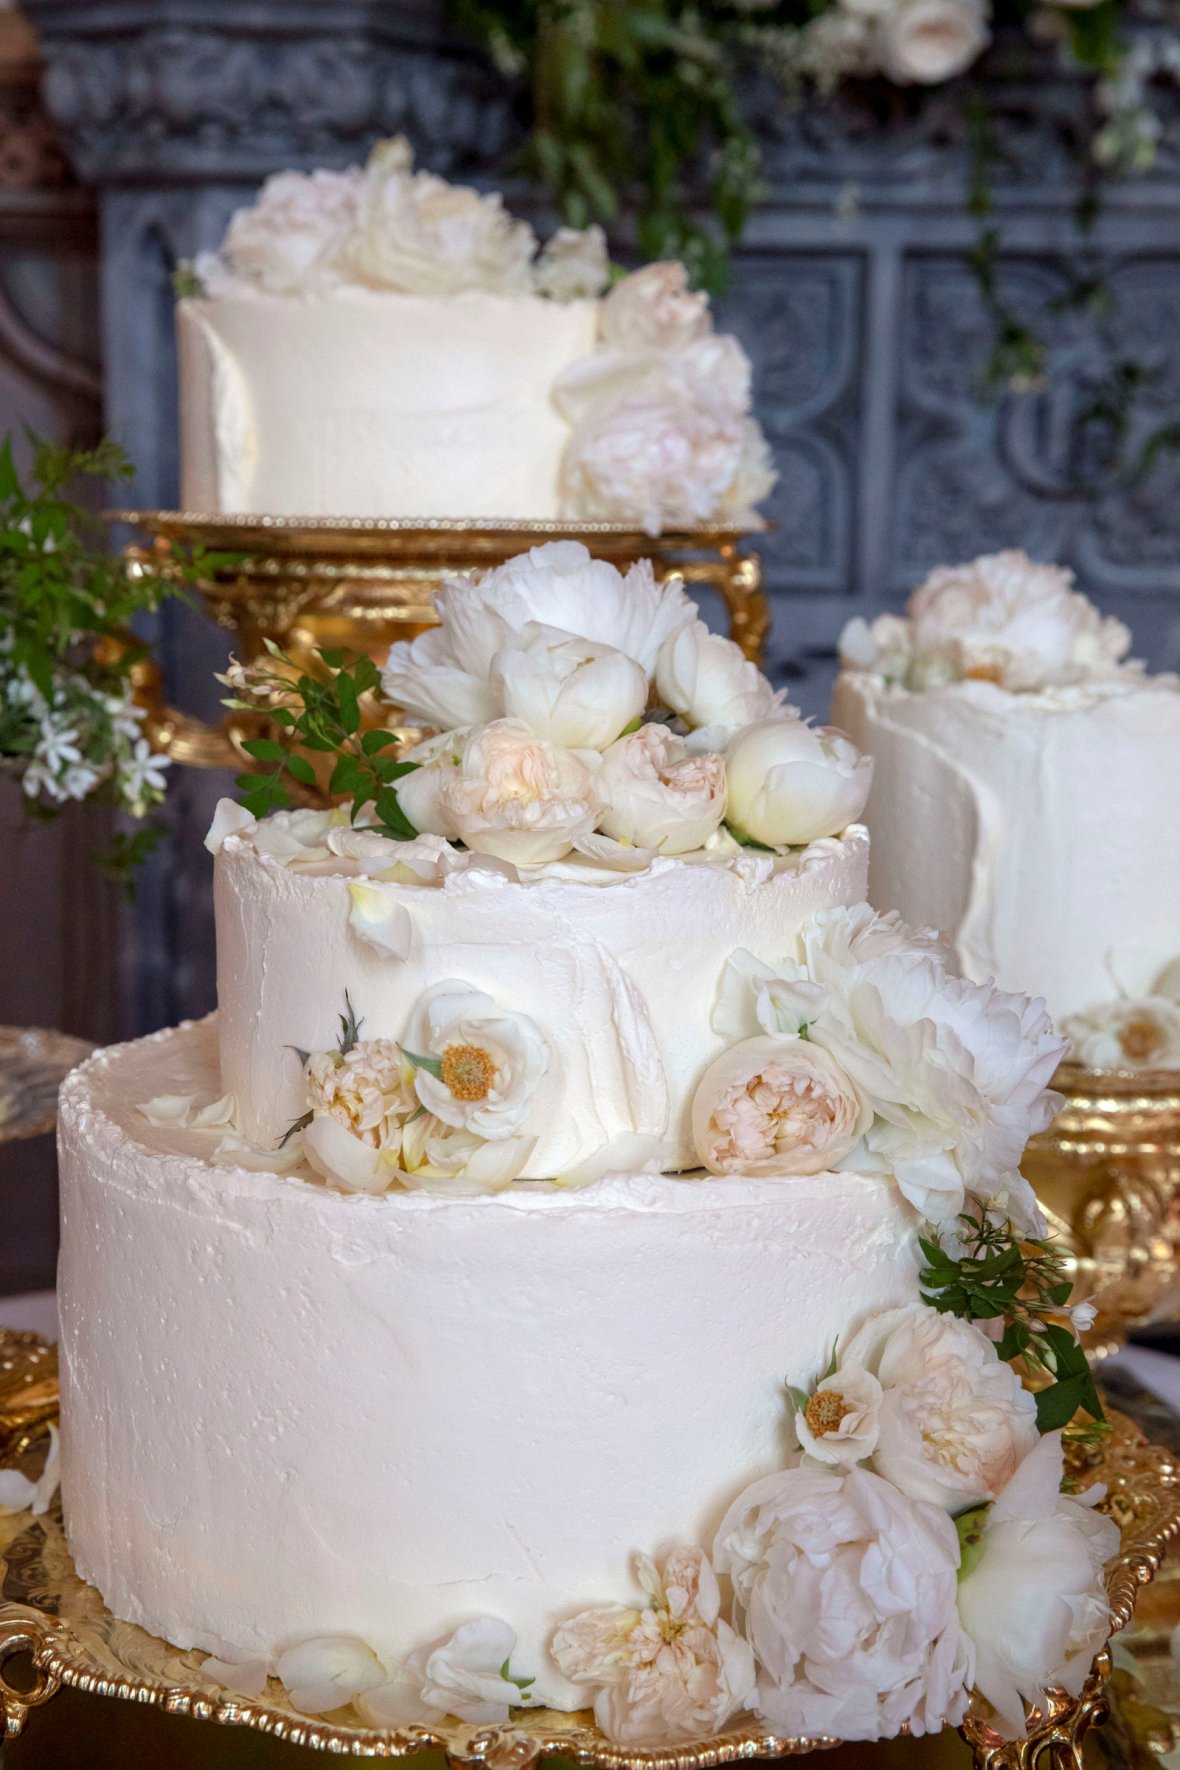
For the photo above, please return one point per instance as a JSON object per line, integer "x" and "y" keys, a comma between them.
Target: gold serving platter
{"x": 60, "y": 1627}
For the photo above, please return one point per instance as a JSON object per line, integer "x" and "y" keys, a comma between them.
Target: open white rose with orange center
{"x": 791, "y": 783}
{"x": 475, "y": 1066}
{"x": 775, "y": 1106}
{"x": 657, "y": 794}
{"x": 1138, "y": 1033}
{"x": 503, "y": 792}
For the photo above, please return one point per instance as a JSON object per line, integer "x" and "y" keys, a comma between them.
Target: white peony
{"x": 791, "y": 783}
{"x": 955, "y": 1073}
{"x": 1005, "y": 619}
{"x": 506, "y": 793}
{"x": 654, "y": 309}
{"x": 326, "y": 1673}
{"x": 476, "y": 1066}
{"x": 841, "y": 1419}
{"x": 442, "y": 677}
{"x": 711, "y": 682}
{"x": 657, "y": 794}
{"x": 1032, "y": 1599}
{"x": 292, "y": 238}
{"x": 668, "y": 1672}
{"x": 462, "y": 1676}
{"x": 574, "y": 265}
{"x": 954, "y": 1420}
{"x": 775, "y": 1106}
{"x": 924, "y": 42}
{"x": 846, "y": 1592}
{"x": 715, "y": 371}
{"x": 576, "y": 692}
{"x": 1140, "y": 1033}
{"x": 421, "y": 236}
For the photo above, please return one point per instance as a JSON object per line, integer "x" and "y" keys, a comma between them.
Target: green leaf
{"x": 373, "y": 741}
{"x": 432, "y": 1065}
{"x": 350, "y": 711}
{"x": 296, "y": 1125}
{"x": 301, "y": 769}
{"x": 392, "y": 818}
{"x": 9, "y": 482}
{"x": 264, "y": 750}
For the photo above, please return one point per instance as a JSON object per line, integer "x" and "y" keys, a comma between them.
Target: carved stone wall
{"x": 868, "y": 335}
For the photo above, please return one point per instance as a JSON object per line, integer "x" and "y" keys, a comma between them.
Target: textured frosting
{"x": 370, "y": 403}
{"x": 1040, "y": 833}
{"x": 619, "y": 970}
{"x": 289, "y": 1411}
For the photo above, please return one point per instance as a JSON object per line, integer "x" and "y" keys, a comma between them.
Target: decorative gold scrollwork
{"x": 24, "y": 1632}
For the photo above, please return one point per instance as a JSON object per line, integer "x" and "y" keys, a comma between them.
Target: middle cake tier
{"x": 619, "y": 971}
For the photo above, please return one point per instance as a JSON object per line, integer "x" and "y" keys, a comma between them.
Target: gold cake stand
{"x": 1107, "y": 1172}
{"x": 357, "y": 585}
{"x": 60, "y": 1628}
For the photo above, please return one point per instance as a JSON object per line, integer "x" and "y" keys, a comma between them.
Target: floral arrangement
{"x": 70, "y": 726}
{"x": 1002, "y": 619}
{"x": 1131, "y": 1032}
{"x": 660, "y": 430}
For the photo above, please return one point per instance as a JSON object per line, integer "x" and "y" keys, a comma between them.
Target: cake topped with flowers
{"x": 379, "y": 343}
{"x": 1026, "y": 797}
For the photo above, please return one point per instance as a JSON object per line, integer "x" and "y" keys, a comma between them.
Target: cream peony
{"x": 846, "y": 1592}
{"x": 462, "y": 1676}
{"x": 840, "y": 1421}
{"x": 576, "y": 692}
{"x": 791, "y": 783}
{"x": 1005, "y": 619}
{"x": 711, "y": 683}
{"x": 924, "y": 42}
{"x": 421, "y": 236}
{"x": 1140, "y": 1033}
{"x": 955, "y": 1074}
{"x": 443, "y": 676}
{"x": 657, "y": 795}
{"x": 292, "y": 238}
{"x": 1032, "y": 1599}
{"x": 476, "y": 1066}
{"x": 775, "y": 1106}
{"x": 955, "y": 1422}
{"x": 668, "y": 1672}
{"x": 574, "y": 264}
{"x": 506, "y": 793}
{"x": 654, "y": 309}
{"x": 359, "y": 1103}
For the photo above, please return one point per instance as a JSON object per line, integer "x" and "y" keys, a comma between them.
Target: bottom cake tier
{"x": 292, "y": 1412}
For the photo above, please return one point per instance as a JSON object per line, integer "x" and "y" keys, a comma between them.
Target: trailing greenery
{"x": 320, "y": 711}
{"x": 1020, "y": 1282}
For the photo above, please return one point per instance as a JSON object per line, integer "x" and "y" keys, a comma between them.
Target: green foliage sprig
{"x": 1021, "y": 1282}
{"x": 322, "y": 713}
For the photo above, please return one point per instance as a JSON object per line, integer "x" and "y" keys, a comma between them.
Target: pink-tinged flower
{"x": 658, "y": 794}
{"x": 775, "y": 1106}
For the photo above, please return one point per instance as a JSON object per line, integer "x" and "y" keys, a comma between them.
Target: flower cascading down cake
{"x": 379, "y": 343}
{"x": 554, "y": 1276}
{"x": 1026, "y": 797}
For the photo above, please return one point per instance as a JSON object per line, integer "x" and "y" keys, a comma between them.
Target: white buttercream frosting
{"x": 1039, "y": 832}
{"x": 619, "y": 970}
{"x": 288, "y": 1412}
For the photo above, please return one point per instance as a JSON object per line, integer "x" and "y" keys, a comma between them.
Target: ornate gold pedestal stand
{"x": 358, "y": 585}
{"x": 1108, "y": 1174}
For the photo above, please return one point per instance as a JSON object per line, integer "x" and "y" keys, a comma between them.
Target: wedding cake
{"x": 1026, "y": 796}
{"x": 426, "y": 1314}
{"x": 378, "y": 343}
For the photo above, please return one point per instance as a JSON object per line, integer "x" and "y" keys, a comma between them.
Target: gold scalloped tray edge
{"x": 48, "y": 1612}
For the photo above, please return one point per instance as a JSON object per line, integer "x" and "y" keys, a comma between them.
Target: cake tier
{"x": 369, "y": 403}
{"x": 289, "y": 1412}
{"x": 619, "y": 970}
{"x": 1040, "y": 833}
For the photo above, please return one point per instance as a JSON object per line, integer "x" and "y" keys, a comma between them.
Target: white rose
{"x": 1032, "y": 1599}
{"x": 841, "y": 1421}
{"x": 506, "y": 793}
{"x": 775, "y": 1106}
{"x": 657, "y": 794}
{"x": 923, "y": 42}
{"x": 711, "y": 682}
{"x": 574, "y": 265}
{"x": 463, "y": 1676}
{"x": 575, "y": 692}
{"x": 668, "y": 1672}
{"x": 421, "y": 236}
{"x": 955, "y": 1421}
{"x": 846, "y": 1592}
{"x": 791, "y": 783}
{"x": 442, "y": 677}
{"x": 476, "y": 1066}
{"x": 1002, "y": 618}
{"x": 1142, "y": 1033}
{"x": 293, "y": 236}
{"x": 654, "y": 309}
